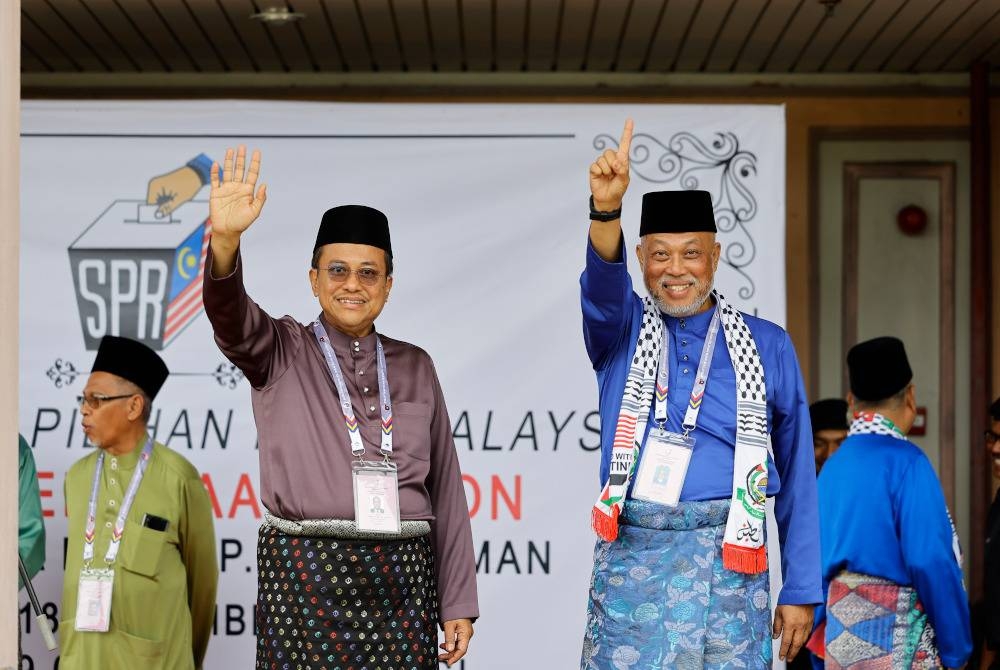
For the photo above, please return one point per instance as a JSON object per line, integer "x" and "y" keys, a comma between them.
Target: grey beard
{"x": 683, "y": 310}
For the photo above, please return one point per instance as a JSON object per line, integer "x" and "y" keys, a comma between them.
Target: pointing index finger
{"x": 626, "y": 141}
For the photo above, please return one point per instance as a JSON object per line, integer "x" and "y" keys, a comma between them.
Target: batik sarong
{"x": 331, "y": 604}
{"x": 874, "y": 624}
{"x": 661, "y": 598}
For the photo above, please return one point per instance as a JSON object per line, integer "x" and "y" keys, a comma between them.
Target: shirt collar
{"x": 126, "y": 461}
{"x": 344, "y": 342}
{"x": 697, "y": 323}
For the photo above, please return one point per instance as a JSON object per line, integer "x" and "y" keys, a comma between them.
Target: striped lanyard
{"x": 119, "y": 530}
{"x": 357, "y": 446}
{"x": 701, "y": 379}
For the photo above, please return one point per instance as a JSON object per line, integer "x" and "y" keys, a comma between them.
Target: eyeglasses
{"x": 339, "y": 274}
{"x": 95, "y": 400}
{"x": 991, "y": 437}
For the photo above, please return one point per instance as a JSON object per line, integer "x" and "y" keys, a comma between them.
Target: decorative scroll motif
{"x": 720, "y": 167}
{"x": 62, "y": 373}
{"x": 228, "y": 375}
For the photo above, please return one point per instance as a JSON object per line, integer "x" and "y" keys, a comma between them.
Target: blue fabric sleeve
{"x": 796, "y": 509}
{"x": 606, "y": 300}
{"x": 925, "y": 536}
{"x": 202, "y": 165}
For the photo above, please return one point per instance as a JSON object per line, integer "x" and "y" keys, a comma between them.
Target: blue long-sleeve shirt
{"x": 612, "y": 316}
{"x": 883, "y": 514}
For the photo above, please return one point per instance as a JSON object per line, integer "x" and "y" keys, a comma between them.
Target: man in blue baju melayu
{"x": 891, "y": 563}
{"x": 703, "y": 416}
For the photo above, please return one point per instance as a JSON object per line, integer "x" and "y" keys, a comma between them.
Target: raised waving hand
{"x": 233, "y": 206}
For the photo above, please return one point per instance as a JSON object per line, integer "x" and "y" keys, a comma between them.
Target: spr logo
{"x": 140, "y": 276}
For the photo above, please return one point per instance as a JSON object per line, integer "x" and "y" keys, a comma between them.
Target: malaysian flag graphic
{"x": 185, "y": 286}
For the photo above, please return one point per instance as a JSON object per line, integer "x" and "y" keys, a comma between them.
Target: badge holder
{"x": 376, "y": 496}
{"x": 663, "y": 467}
{"x": 93, "y": 600}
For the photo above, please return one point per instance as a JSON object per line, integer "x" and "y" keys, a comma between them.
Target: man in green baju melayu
{"x": 141, "y": 573}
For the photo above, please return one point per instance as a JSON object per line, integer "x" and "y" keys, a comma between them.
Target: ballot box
{"x": 140, "y": 276}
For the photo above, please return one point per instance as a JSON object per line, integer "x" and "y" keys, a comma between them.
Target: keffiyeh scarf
{"x": 743, "y": 546}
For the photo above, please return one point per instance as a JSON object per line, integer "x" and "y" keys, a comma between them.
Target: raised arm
{"x": 233, "y": 207}
{"x": 608, "y": 183}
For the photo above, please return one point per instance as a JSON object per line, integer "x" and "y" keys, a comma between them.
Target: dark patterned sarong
{"x": 660, "y": 596}
{"x": 331, "y": 604}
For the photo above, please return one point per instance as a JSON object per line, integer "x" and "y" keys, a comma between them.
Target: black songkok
{"x": 354, "y": 224}
{"x": 878, "y": 369}
{"x": 995, "y": 410}
{"x": 677, "y": 212}
{"x": 828, "y": 414}
{"x": 133, "y": 361}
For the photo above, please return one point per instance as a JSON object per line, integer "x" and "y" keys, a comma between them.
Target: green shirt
{"x": 163, "y": 598}
{"x": 30, "y": 527}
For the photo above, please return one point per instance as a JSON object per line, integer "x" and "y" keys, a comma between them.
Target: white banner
{"x": 488, "y": 210}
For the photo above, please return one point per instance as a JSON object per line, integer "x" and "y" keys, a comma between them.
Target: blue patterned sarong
{"x": 660, "y": 598}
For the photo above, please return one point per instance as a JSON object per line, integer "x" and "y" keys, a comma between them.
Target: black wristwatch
{"x": 597, "y": 215}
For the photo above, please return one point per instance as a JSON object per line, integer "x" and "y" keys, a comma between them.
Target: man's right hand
{"x": 609, "y": 174}
{"x": 232, "y": 206}
{"x": 608, "y": 183}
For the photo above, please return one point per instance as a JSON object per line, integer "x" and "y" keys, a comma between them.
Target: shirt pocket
{"x": 129, "y": 650}
{"x": 142, "y": 548}
{"x": 411, "y": 431}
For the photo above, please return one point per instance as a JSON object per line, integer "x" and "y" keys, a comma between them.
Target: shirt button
{"x": 372, "y": 408}
{"x": 686, "y": 370}
{"x": 684, "y": 343}
{"x": 683, "y": 325}
{"x": 112, "y": 481}
{"x": 111, "y": 502}
{"x": 107, "y": 524}
{"x": 356, "y": 344}
{"x": 684, "y": 357}
{"x": 366, "y": 389}
{"x": 361, "y": 372}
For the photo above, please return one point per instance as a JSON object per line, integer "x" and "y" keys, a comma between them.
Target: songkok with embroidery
{"x": 132, "y": 361}
{"x": 828, "y": 414}
{"x": 354, "y": 224}
{"x": 677, "y": 212}
{"x": 878, "y": 369}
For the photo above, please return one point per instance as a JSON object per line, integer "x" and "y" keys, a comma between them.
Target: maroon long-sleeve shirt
{"x": 304, "y": 448}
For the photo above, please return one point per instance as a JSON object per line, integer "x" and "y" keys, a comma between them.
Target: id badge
{"x": 376, "y": 496}
{"x": 93, "y": 600}
{"x": 663, "y": 467}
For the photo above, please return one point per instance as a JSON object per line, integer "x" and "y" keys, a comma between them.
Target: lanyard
{"x": 119, "y": 530}
{"x": 357, "y": 446}
{"x": 701, "y": 379}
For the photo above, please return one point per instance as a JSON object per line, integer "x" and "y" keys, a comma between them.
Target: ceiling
{"x": 510, "y": 36}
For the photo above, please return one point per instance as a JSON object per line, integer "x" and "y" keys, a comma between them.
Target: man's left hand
{"x": 793, "y": 623}
{"x": 457, "y": 634}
